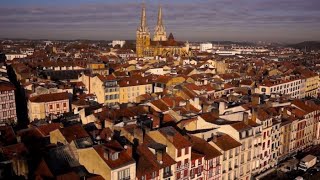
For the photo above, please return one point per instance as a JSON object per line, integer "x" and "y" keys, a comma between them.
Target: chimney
{"x": 214, "y": 138}
{"x": 255, "y": 99}
{"x": 128, "y": 149}
{"x": 246, "y": 118}
{"x": 188, "y": 106}
{"x": 254, "y": 114}
{"x": 138, "y": 134}
{"x": 170, "y": 137}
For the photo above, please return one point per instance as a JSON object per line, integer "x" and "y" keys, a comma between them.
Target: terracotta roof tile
{"x": 226, "y": 142}
{"x": 50, "y": 97}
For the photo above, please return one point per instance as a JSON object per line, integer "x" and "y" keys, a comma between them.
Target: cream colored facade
{"x": 183, "y": 158}
{"x": 295, "y": 88}
{"x": 229, "y": 162}
{"x": 106, "y": 89}
{"x": 93, "y": 162}
{"x": 312, "y": 85}
{"x": 130, "y": 93}
{"x": 41, "y": 110}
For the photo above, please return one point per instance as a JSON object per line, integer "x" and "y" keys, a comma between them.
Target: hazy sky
{"x": 238, "y": 20}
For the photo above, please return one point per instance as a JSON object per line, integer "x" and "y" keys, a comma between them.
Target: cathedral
{"x": 160, "y": 45}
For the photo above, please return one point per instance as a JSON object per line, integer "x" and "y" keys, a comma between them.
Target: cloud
{"x": 189, "y": 18}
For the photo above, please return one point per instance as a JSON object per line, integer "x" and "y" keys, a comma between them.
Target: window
{"x": 230, "y": 153}
{"x": 185, "y": 172}
{"x": 242, "y": 158}
{"x": 186, "y": 151}
{"x": 186, "y": 162}
{"x": 179, "y": 152}
{"x": 179, "y": 165}
{"x": 114, "y": 156}
{"x": 124, "y": 174}
{"x": 249, "y": 155}
{"x": 243, "y": 145}
{"x": 210, "y": 163}
{"x": 58, "y": 106}
{"x": 154, "y": 174}
{"x": 263, "y": 90}
{"x": 50, "y": 107}
{"x": 167, "y": 169}
{"x": 178, "y": 175}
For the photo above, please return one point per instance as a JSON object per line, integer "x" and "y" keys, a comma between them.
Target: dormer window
{"x": 114, "y": 156}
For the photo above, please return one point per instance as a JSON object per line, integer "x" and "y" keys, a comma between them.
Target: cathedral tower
{"x": 142, "y": 35}
{"x": 160, "y": 31}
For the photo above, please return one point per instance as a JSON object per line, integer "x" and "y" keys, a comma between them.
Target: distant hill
{"x": 308, "y": 45}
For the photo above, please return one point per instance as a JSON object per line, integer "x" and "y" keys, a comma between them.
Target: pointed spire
{"x": 160, "y": 31}
{"x": 160, "y": 16}
{"x": 143, "y": 25}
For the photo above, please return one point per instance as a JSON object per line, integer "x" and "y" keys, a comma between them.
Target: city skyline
{"x": 277, "y": 21}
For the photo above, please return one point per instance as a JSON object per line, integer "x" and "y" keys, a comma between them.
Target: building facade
{"x": 7, "y": 105}
{"x": 46, "y": 105}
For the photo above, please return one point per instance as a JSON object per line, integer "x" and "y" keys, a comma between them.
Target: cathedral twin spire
{"x": 160, "y": 32}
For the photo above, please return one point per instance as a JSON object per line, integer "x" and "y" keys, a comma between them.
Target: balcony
{"x": 167, "y": 174}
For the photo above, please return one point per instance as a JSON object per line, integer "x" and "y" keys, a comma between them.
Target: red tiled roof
{"x": 226, "y": 142}
{"x": 123, "y": 159}
{"x": 47, "y": 128}
{"x": 50, "y": 97}
{"x": 175, "y": 137}
{"x": 203, "y": 147}
{"x": 74, "y": 132}
{"x": 6, "y": 86}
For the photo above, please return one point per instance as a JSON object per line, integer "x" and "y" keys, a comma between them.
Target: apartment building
{"x": 246, "y": 138}
{"x": 46, "y": 105}
{"x": 132, "y": 87}
{"x": 211, "y": 167}
{"x": 286, "y": 140}
{"x": 110, "y": 160}
{"x": 230, "y": 149}
{"x": 106, "y": 88}
{"x": 293, "y": 86}
{"x": 8, "y": 113}
{"x": 178, "y": 148}
{"x": 154, "y": 162}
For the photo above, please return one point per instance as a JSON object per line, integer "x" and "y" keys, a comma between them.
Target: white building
{"x": 205, "y": 46}
{"x": 227, "y": 52}
{"x": 118, "y": 42}
{"x": 292, "y": 86}
{"x": 10, "y": 57}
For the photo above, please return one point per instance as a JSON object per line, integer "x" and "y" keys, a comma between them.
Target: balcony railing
{"x": 126, "y": 178}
